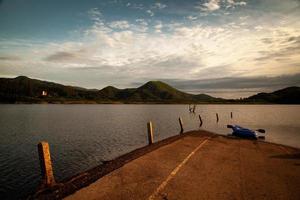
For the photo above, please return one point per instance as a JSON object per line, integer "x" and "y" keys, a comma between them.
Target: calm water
{"x": 82, "y": 136}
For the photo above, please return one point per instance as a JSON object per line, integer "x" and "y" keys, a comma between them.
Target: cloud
{"x": 236, "y": 3}
{"x": 95, "y": 14}
{"x": 191, "y": 46}
{"x": 159, "y": 6}
{"x": 10, "y": 58}
{"x": 136, "y": 6}
{"x": 142, "y": 22}
{"x": 158, "y": 27}
{"x": 61, "y": 57}
{"x": 80, "y": 67}
{"x": 191, "y": 17}
{"x": 239, "y": 82}
{"x": 119, "y": 24}
{"x": 241, "y": 3}
{"x": 150, "y": 12}
{"x": 185, "y": 51}
{"x": 210, "y": 5}
{"x": 289, "y": 47}
{"x": 213, "y": 5}
{"x": 142, "y": 26}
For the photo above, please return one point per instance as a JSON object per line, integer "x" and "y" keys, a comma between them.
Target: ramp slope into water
{"x": 200, "y": 166}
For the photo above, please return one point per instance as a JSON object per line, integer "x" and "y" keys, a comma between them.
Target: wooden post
{"x": 194, "y": 108}
{"x": 217, "y": 115}
{"x": 46, "y": 164}
{"x": 231, "y": 115}
{"x": 150, "y": 132}
{"x": 181, "y": 125}
{"x": 190, "y": 109}
{"x": 201, "y": 122}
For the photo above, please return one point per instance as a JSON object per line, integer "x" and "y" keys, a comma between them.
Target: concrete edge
{"x": 83, "y": 179}
{"x": 70, "y": 185}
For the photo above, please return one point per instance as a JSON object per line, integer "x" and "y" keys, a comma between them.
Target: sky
{"x": 225, "y": 48}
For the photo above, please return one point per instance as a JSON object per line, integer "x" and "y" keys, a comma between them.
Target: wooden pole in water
{"x": 217, "y": 115}
{"x": 201, "y": 122}
{"x": 231, "y": 115}
{"x": 150, "y": 132}
{"x": 181, "y": 125}
{"x": 46, "y": 164}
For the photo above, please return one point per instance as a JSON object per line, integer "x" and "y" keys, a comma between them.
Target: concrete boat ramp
{"x": 200, "y": 165}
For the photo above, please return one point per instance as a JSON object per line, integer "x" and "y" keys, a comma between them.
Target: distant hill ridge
{"x": 25, "y": 90}
{"x": 289, "y": 95}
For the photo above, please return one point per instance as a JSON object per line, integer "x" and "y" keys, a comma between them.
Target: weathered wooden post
{"x": 181, "y": 125}
{"x": 192, "y": 109}
{"x": 46, "y": 164}
{"x": 217, "y": 115}
{"x": 150, "y": 132}
{"x": 231, "y": 115}
{"x": 201, "y": 122}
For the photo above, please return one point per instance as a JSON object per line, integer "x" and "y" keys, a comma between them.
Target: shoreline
{"x": 138, "y": 103}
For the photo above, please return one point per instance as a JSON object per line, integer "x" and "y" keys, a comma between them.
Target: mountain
{"x": 156, "y": 91}
{"x": 205, "y": 97}
{"x": 290, "y": 95}
{"x": 109, "y": 92}
{"x": 24, "y": 89}
{"x": 153, "y": 91}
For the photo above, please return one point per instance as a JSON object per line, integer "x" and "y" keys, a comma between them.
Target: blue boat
{"x": 244, "y": 132}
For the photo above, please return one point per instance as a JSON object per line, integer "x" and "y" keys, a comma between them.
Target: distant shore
{"x": 140, "y": 103}
{"x": 31, "y": 91}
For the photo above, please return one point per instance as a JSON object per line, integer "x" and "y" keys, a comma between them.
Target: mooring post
{"x": 181, "y": 125}
{"x": 150, "y": 132}
{"x": 217, "y": 115}
{"x": 201, "y": 122}
{"x": 46, "y": 164}
{"x": 231, "y": 115}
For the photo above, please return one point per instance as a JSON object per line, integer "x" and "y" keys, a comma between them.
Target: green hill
{"x": 290, "y": 95}
{"x": 24, "y": 89}
{"x": 205, "y": 97}
{"x": 154, "y": 91}
{"x": 158, "y": 91}
{"x": 109, "y": 92}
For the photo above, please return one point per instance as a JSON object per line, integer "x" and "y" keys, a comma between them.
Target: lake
{"x": 82, "y": 136}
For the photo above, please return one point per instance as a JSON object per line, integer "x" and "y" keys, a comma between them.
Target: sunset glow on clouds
{"x": 213, "y": 46}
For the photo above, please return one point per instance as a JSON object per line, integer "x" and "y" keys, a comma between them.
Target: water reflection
{"x": 82, "y": 136}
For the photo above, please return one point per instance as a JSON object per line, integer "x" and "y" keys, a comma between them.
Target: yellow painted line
{"x": 284, "y": 149}
{"x": 174, "y": 172}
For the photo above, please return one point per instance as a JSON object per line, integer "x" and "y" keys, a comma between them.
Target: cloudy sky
{"x": 226, "y": 48}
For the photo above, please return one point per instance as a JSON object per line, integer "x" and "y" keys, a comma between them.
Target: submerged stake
{"x": 181, "y": 125}
{"x": 150, "y": 132}
{"x": 46, "y": 164}
{"x": 201, "y": 122}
